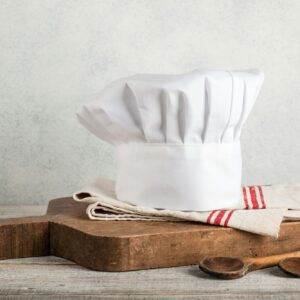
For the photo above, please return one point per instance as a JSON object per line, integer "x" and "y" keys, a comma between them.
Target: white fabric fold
{"x": 263, "y": 208}
{"x": 198, "y": 107}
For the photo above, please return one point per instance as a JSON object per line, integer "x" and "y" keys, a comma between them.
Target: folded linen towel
{"x": 261, "y": 211}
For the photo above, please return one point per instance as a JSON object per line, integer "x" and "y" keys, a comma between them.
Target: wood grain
{"x": 65, "y": 231}
{"x": 51, "y": 277}
{"x": 24, "y": 237}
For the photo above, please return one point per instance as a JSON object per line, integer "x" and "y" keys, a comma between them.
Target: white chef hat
{"x": 177, "y": 137}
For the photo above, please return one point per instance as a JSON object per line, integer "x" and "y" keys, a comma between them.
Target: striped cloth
{"x": 261, "y": 210}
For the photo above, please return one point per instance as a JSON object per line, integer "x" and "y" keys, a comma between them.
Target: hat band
{"x": 199, "y": 177}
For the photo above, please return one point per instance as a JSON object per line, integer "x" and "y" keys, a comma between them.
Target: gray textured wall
{"x": 55, "y": 54}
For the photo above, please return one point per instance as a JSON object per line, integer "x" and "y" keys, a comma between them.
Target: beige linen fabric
{"x": 261, "y": 211}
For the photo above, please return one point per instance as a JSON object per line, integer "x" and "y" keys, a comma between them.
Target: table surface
{"x": 55, "y": 278}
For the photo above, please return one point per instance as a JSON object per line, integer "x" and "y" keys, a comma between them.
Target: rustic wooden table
{"x": 55, "y": 278}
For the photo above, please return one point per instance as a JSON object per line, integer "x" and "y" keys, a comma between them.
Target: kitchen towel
{"x": 261, "y": 211}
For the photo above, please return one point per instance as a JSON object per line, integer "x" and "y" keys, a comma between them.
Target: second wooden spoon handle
{"x": 268, "y": 261}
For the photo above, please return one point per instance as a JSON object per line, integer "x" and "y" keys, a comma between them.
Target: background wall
{"x": 55, "y": 54}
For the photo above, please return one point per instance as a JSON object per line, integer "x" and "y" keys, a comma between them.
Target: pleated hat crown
{"x": 176, "y": 136}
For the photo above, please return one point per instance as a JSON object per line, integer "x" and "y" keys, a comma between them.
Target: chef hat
{"x": 177, "y": 137}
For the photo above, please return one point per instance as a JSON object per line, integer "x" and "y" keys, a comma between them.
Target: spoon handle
{"x": 257, "y": 263}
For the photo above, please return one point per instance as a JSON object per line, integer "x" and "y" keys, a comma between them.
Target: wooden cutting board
{"x": 65, "y": 231}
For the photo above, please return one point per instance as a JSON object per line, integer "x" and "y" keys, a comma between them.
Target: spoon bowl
{"x": 224, "y": 267}
{"x": 291, "y": 266}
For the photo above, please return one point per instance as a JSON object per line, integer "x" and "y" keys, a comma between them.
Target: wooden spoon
{"x": 232, "y": 267}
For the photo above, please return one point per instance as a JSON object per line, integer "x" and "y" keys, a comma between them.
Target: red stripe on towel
{"x": 245, "y": 198}
{"x": 228, "y": 218}
{"x": 210, "y": 216}
{"x": 253, "y": 196}
{"x": 219, "y": 217}
{"x": 262, "y": 197}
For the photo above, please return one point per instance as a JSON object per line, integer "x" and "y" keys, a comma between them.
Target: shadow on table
{"x": 279, "y": 273}
{"x": 196, "y": 272}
